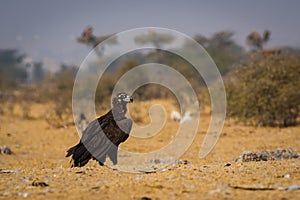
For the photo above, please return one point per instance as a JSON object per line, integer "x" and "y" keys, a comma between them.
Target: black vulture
{"x": 102, "y": 136}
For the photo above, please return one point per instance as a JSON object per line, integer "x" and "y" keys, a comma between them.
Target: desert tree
{"x": 256, "y": 41}
{"x": 87, "y": 37}
{"x": 222, "y": 48}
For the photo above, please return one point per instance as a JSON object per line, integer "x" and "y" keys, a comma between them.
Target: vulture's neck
{"x": 119, "y": 111}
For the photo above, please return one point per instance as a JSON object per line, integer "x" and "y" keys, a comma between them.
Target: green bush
{"x": 265, "y": 90}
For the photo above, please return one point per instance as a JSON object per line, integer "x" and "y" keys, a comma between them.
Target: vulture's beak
{"x": 128, "y": 99}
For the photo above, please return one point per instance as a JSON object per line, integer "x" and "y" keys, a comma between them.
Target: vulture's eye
{"x": 121, "y": 97}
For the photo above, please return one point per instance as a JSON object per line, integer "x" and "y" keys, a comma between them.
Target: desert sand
{"x": 38, "y": 168}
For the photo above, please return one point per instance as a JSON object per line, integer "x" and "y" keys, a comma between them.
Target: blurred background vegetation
{"x": 262, "y": 85}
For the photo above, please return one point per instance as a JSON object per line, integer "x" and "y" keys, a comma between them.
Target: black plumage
{"x": 102, "y": 136}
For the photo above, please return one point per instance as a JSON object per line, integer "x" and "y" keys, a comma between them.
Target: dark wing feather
{"x": 123, "y": 129}
{"x": 95, "y": 139}
{"x": 101, "y": 138}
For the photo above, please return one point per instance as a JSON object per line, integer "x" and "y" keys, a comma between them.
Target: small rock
{"x": 287, "y": 176}
{"x": 156, "y": 161}
{"x": 183, "y": 162}
{"x": 23, "y": 194}
{"x": 39, "y": 184}
{"x": 278, "y": 154}
{"x": 164, "y": 169}
{"x": 25, "y": 180}
{"x": 8, "y": 171}
{"x": 6, "y": 194}
{"x": 227, "y": 165}
{"x": 146, "y": 198}
{"x": 48, "y": 191}
{"x": 95, "y": 188}
{"x": 5, "y": 150}
{"x": 293, "y": 187}
{"x": 137, "y": 177}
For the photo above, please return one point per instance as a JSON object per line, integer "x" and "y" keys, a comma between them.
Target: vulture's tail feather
{"x": 80, "y": 155}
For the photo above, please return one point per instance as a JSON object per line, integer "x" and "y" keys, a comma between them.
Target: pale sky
{"x": 47, "y": 30}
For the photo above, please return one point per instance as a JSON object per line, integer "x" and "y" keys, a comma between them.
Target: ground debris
{"x": 227, "y": 165}
{"x": 39, "y": 184}
{"x": 5, "y": 150}
{"x": 219, "y": 190}
{"x": 23, "y": 194}
{"x": 278, "y": 154}
{"x": 291, "y": 187}
{"x": 183, "y": 162}
{"x": 145, "y": 198}
{"x": 95, "y": 188}
{"x": 148, "y": 171}
{"x": 7, "y": 171}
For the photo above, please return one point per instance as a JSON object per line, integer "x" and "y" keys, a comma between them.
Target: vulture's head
{"x": 122, "y": 99}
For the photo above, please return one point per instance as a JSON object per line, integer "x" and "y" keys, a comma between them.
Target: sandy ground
{"x": 39, "y": 155}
